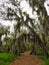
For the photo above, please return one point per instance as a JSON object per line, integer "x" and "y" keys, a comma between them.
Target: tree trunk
{"x": 41, "y": 43}
{"x": 0, "y": 44}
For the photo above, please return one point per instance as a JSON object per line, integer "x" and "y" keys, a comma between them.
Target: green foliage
{"x": 6, "y": 58}
{"x": 46, "y": 62}
{"x": 4, "y": 63}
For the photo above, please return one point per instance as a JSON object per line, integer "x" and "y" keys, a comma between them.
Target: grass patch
{"x": 4, "y": 63}
{"x": 46, "y": 62}
{"x": 6, "y": 58}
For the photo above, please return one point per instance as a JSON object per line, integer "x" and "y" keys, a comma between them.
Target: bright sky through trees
{"x": 26, "y": 8}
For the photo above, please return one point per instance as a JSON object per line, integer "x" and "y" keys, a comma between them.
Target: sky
{"x": 47, "y": 7}
{"x": 26, "y": 8}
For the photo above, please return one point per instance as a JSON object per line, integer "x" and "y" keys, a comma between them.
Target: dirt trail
{"x": 26, "y": 59}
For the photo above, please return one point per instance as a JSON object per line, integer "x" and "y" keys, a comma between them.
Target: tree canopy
{"x": 37, "y": 29}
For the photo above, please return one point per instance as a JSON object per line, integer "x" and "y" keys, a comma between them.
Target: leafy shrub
{"x": 3, "y": 62}
{"x": 46, "y": 62}
{"x": 6, "y": 58}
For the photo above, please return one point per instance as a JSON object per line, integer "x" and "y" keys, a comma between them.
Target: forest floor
{"x": 26, "y": 59}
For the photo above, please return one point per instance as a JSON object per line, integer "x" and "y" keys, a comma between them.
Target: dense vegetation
{"x": 34, "y": 38}
{"x": 6, "y": 58}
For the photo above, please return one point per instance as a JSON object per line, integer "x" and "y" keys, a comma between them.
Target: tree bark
{"x": 41, "y": 43}
{"x": 0, "y": 44}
